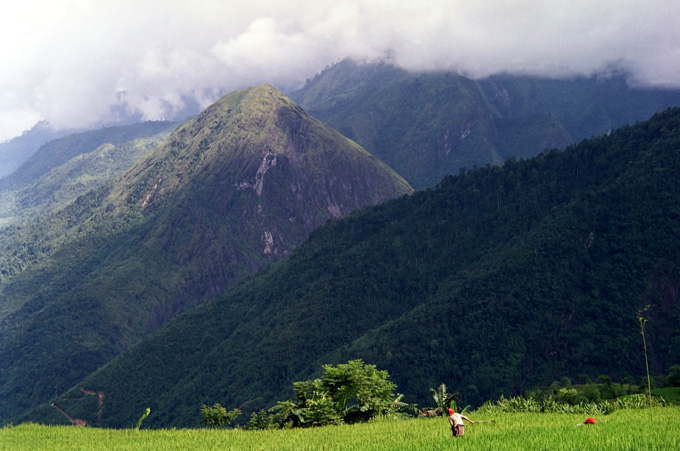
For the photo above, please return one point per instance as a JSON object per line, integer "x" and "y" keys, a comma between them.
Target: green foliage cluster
{"x": 671, "y": 394}
{"x": 602, "y": 397}
{"x": 604, "y": 389}
{"x": 259, "y": 420}
{"x": 346, "y": 393}
{"x": 218, "y": 416}
{"x": 444, "y": 399}
{"x": 520, "y": 404}
{"x": 144, "y": 416}
{"x": 673, "y": 379}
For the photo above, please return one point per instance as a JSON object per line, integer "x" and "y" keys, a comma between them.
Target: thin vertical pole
{"x": 644, "y": 344}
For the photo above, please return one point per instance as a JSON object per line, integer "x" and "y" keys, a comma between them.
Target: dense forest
{"x": 427, "y": 125}
{"x": 499, "y": 280}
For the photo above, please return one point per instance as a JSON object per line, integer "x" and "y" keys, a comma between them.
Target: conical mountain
{"x": 258, "y": 158}
{"x": 237, "y": 187}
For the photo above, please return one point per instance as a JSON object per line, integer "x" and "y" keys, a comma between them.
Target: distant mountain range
{"x": 500, "y": 279}
{"x": 428, "y": 125}
{"x": 15, "y": 152}
{"x": 233, "y": 190}
{"x": 63, "y": 169}
{"x": 143, "y": 242}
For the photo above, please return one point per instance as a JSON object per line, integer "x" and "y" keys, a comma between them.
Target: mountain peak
{"x": 243, "y": 135}
{"x": 263, "y": 99}
{"x": 245, "y": 182}
{"x": 479, "y": 251}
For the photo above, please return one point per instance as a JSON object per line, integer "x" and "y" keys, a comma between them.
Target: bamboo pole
{"x": 644, "y": 344}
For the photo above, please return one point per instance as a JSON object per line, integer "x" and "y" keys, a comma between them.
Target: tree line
{"x": 358, "y": 392}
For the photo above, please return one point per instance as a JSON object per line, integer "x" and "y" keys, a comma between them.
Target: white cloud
{"x": 77, "y": 63}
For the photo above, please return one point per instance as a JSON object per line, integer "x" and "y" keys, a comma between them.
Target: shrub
{"x": 346, "y": 393}
{"x": 217, "y": 416}
{"x": 259, "y": 420}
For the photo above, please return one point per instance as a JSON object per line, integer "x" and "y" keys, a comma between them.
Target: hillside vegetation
{"x": 427, "y": 125}
{"x": 66, "y": 168}
{"x": 231, "y": 191}
{"x": 499, "y": 280}
{"x": 58, "y": 152}
{"x": 17, "y": 150}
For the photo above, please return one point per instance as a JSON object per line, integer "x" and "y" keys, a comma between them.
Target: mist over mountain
{"x": 231, "y": 191}
{"x": 426, "y": 125}
{"x": 77, "y": 64}
{"x": 15, "y": 151}
{"x": 495, "y": 281}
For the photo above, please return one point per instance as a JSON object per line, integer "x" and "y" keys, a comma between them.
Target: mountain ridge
{"x": 66, "y": 168}
{"x": 427, "y": 125}
{"x": 184, "y": 224}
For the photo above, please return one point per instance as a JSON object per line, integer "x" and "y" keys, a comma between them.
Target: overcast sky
{"x": 78, "y": 63}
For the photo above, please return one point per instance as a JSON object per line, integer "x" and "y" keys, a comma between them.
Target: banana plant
{"x": 443, "y": 398}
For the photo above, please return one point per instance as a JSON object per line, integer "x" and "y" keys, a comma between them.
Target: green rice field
{"x": 621, "y": 430}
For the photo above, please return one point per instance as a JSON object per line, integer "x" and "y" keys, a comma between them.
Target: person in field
{"x": 589, "y": 420}
{"x": 457, "y": 424}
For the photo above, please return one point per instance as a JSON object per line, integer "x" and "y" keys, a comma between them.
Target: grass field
{"x": 624, "y": 429}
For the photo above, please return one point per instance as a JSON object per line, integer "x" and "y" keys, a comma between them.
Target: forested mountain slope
{"x": 500, "y": 279}
{"x": 56, "y": 152}
{"x": 230, "y": 191}
{"x": 19, "y": 149}
{"x": 427, "y": 125}
{"x": 63, "y": 169}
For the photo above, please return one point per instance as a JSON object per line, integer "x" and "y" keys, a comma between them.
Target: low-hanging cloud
{"x": 81, "y": 63}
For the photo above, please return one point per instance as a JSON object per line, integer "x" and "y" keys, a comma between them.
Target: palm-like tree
{"x": 443, "y": 398}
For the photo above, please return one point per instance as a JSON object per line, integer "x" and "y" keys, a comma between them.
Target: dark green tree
{"x": 287, "y": 414}
{"x": 345, "y": 393}
{"x": 359, "y": 391}
{"x": 673, "y": 379}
